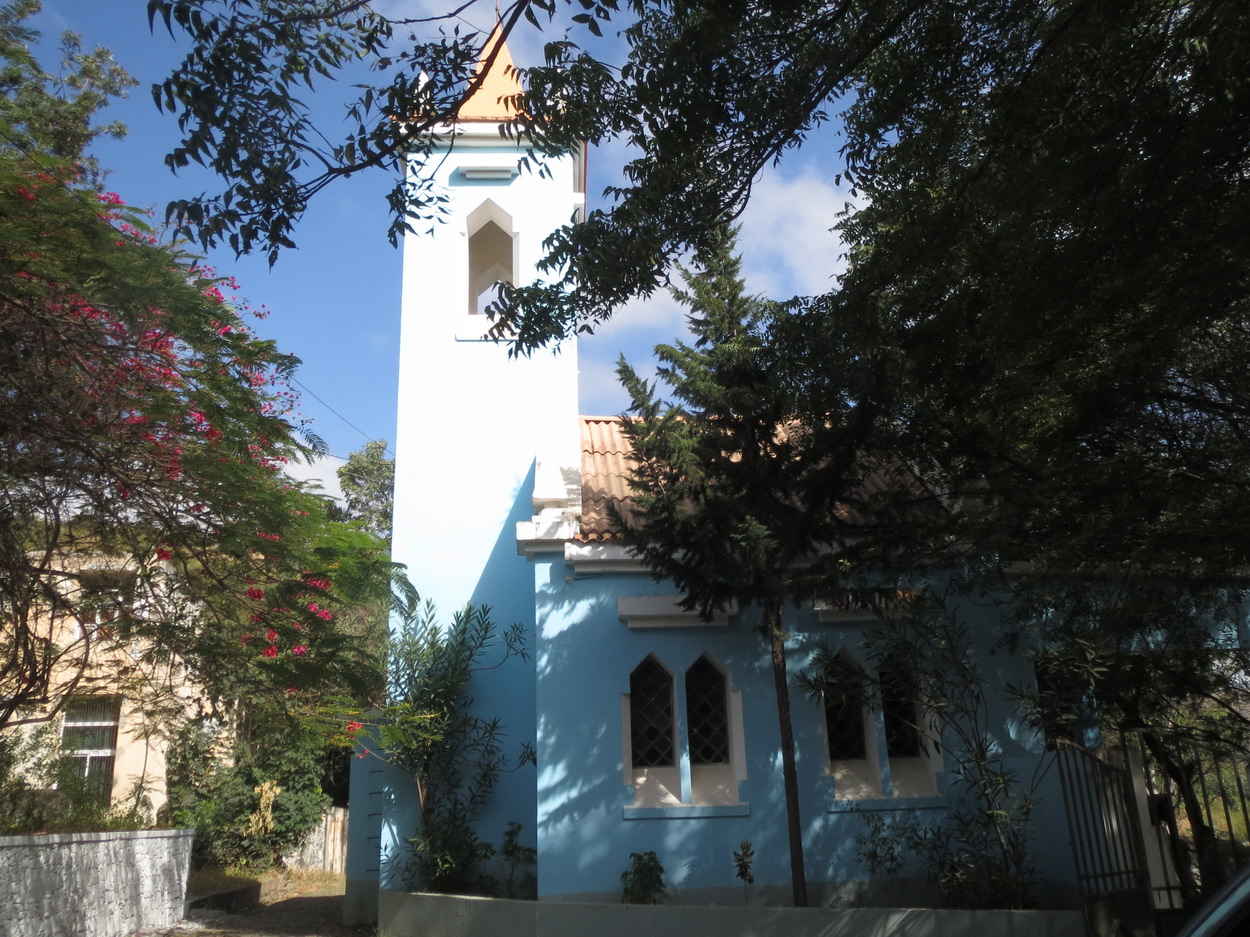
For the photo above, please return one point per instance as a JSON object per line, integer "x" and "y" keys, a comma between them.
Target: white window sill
{"x": 888, "y": 803}
{"x": 679, "y": 811}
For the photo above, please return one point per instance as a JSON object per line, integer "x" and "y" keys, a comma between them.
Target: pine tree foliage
{"x": 722, "y": 479}
{"x": 733, "y": 497}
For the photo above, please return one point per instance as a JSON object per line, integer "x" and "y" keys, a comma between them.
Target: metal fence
{"x": 1158, "y": 823}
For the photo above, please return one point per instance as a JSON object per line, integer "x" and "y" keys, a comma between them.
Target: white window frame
{"x": 686, "y": 789}
{"x": 91, "y": 757}
{"x": 879, "y": 775}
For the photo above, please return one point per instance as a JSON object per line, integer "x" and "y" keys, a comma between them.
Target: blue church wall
{"x": 587, "y": 822}
{"x": 506, "y": 692}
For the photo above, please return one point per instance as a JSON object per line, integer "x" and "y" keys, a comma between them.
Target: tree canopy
{"x": 143, "y": 432}
{"x": 368, "y": 482}
{"x": 721, "y": 486}
{"x": 1045, "y": 306}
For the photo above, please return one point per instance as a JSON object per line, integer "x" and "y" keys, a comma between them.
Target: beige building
{"x": 111, "y": 710}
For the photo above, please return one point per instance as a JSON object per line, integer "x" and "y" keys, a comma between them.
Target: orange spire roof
{"x": 487, "y": 102}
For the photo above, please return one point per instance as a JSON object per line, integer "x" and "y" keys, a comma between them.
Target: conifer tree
{"x": 732, "y": 503}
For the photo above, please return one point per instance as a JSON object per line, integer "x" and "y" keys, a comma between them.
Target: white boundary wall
{"x": 92, "y": 884}
{"x": 401, "y": 914}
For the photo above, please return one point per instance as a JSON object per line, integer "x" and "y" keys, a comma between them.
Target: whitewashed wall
{"x": 92, "y": 884}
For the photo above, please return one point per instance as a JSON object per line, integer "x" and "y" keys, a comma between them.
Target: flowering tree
{"x": 143, "y": 431}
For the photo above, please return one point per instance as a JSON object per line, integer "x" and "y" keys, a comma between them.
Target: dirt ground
{"x": 308, "y": 905}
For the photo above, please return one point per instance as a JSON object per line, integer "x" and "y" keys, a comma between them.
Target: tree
{"x": 142, "y": 433}
{"x": 1055, "y": 290}
{"x": 1046, "y": 304}
{"x": 368, "y": 482}
{"x": 734, "y": 500}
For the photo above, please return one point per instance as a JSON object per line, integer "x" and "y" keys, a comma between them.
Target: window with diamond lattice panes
{"x": 901, "y": 715}
{"x": 844, "y": 716}
{"x": 707, "y": 712}
{"x": 651, "y": 715}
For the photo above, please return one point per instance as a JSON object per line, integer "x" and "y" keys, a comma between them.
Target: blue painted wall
{"x": 584, "y": 655}
{"x": 505, "y": 691}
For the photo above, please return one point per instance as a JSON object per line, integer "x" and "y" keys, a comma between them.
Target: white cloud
{"x": 787, "y": 249}
{"x": 599, "y": 393}
{"x": 786, "y": 243}
{"x": 660, "y": 315}
{"x": 321, "y": 472}
{"x": 634, "y": 331}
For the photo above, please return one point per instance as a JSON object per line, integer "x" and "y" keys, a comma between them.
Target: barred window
{"x": 651, "y": 733}
{"x": 707, "y": 713}
{"x": 89, "y": 740}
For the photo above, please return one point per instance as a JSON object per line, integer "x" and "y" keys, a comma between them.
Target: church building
{"x": 654, "y": 731}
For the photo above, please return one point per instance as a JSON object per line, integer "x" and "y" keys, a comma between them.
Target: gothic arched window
{"x": 491, "y": 253}
{"x": 707, "y": 713}
{"x": 651, "y": 735}
{"x": 844, "y": 712}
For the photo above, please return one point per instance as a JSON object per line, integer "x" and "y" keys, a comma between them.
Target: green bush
{"x": 41, "y": 792}
{"x": 431, "y": 729}
{"x": 643, "y": 881}
{"x": 255, "y": 804}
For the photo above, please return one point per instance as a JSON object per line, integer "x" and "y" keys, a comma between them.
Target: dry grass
{"x": 211, "y": 881}
{"x": 278, "y": 885}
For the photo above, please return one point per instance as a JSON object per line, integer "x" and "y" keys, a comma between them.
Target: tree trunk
{"x": 776, "y": 640}
{"x": 1211, "y": 870}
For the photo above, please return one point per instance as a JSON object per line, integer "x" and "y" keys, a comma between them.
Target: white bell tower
{"x": 476, "y": 428}
{"x": 471, "y": 420}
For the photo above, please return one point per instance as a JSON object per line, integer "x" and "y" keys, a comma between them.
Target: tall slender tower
{"x": 475, "y": 428}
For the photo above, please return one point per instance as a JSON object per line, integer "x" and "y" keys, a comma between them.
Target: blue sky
{"x": 334, "y": 302}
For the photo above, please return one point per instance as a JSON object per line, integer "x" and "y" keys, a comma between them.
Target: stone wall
{"x": 413, "y": 915}
{"x": 92, "y": 884}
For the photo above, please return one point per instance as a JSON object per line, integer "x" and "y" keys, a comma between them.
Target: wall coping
{"x": 58, "y": 839}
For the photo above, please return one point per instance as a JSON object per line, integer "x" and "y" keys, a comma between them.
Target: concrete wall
{"x": 409, "y": 915}
{"x": 472, "y": 424}
{"x": 92, "y": 884}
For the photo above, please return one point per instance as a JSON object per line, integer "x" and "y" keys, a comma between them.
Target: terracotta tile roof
{"x": 606, "y": 462}
{"x": 605, "y": 465}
